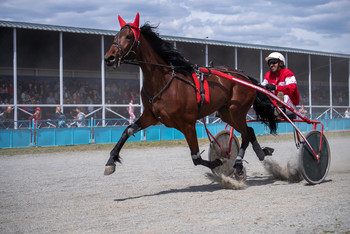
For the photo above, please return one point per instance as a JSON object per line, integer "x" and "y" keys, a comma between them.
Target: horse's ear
{"x": 137, "y": 20}
{"x": 121, "y": 21}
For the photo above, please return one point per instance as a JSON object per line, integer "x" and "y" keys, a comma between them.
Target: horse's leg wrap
{"x": 240, "y": 155}
{"x": 196, "y": 156}
{"x": 132, "y": 129}
{"x": 238, "y": 166}
{"x": 197, "y": 159}
{"x": 239, "y": 160}
{"x": 114, "y": 155}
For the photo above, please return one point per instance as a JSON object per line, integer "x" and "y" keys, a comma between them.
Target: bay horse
{"x": 169, "y": 94}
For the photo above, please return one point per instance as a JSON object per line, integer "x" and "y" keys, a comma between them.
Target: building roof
{"x": 34, "y": 26}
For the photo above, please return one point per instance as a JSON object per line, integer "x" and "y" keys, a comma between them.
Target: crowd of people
{"x": 320, "y": 95}
{"x": 75, "y": 91}
{"x": 6, "y": 91}
{"x": 88, "y": 91}
{"x": 38, "y": 91}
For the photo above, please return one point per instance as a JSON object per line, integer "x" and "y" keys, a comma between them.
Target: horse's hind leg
{"x": 248, "y": 135}
{"x": 143, "y": 122}
{"x": 261, "y": 153}
{"x": 236, "y": 119}
{"x": 192, "y": 141}
{"x": 239, "y": 123}
{"x": 238, "y": 166}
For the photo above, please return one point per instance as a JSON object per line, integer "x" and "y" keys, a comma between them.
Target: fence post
{"x": 33, "y": 133}
{"x": 92, "y": 130}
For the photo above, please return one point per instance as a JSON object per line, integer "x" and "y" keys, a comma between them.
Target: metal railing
{"x": 28, "y": 133}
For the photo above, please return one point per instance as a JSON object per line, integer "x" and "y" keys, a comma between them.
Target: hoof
{"x": 239, "y": 171}
{"x": 268, "y": 151}
{"x": 240, "y": 174}
{"x": 110, "y": 169}
{"x": 240, "y": 177}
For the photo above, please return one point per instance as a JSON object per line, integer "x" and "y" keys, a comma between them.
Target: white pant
{"x": 290, "y": 103}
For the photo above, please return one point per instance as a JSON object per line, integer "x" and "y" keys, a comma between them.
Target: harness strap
{"x": 202, "y": 93}
{"x": 152, "y": 99}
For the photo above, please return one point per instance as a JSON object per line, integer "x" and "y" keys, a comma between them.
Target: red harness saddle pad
{"x": 206, "y": 88}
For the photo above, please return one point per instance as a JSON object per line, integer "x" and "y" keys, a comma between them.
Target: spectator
{"x": 50, "y": 99}
{"x": 302, "y": 110}
{"x": 36, "y": 116}
{"x": 5, "y": 102}
{"x": 2, "y": 126}
{"x": 347, "y": 114}
{"x": 61, "y": 118}
{"x": 8, "y": 114}
{"x": 42, "y": 90}
{"x": 90, "y": 107}
{"x": 3, "y": 91}
{"x": 10, "y": 92}
{"x": 131, "y": 111}
{"x": 79, "y": 119}
{"x": 83, "y": 89}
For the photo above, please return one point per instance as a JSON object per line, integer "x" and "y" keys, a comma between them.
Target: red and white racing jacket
{"x": 285, "y": 82}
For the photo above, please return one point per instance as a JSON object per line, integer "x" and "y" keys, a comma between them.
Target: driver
{"x": 281, "y": 81}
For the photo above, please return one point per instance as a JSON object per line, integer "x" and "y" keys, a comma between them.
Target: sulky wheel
{"x": 223, "y": 138}
{"x": 312, "y": 170}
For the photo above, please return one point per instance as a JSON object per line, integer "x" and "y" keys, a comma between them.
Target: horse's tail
{"x": 264, "y": 109}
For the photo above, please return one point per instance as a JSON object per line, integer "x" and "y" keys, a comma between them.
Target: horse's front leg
{"x": 143, "y": 122}
{"x": 114, "y": 155}
{"x": 192, "y": 141}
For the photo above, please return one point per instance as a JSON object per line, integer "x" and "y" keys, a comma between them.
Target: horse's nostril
{"x": 110, "y": 58}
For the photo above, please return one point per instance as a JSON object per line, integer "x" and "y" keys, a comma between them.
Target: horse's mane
{"x": 166, "y": 50}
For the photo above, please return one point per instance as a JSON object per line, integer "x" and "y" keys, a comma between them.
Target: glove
{"x": 270, "y": 87}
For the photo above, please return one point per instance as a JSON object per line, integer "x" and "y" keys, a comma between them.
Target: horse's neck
{"x": 155, "y": 76}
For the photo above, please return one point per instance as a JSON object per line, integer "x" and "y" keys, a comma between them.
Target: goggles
{"x": 272, "y": 61}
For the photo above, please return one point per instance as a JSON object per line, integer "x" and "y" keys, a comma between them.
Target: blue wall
{"x": 28, "y": 137}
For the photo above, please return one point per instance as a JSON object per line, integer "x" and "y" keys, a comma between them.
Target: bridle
{"x": 132, "y": 49}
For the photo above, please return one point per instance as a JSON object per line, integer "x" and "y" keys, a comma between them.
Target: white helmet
{"x": 276, "y": 55}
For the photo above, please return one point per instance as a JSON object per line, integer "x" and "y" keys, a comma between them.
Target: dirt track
{"x": 158, "y": 190}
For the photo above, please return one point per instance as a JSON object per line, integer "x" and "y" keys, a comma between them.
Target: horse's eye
{"x": 128, "y": 37}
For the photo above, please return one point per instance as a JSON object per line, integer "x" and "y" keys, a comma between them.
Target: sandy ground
{"x": 158, "y": 190}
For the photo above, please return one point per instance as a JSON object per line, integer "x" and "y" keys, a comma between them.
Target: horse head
{"x": 125, "y": 43}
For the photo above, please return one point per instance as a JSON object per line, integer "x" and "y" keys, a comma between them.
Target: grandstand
{"x": 46, "y": 66}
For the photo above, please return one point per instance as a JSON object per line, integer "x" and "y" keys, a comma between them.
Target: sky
{"x": 321, "y": 25}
